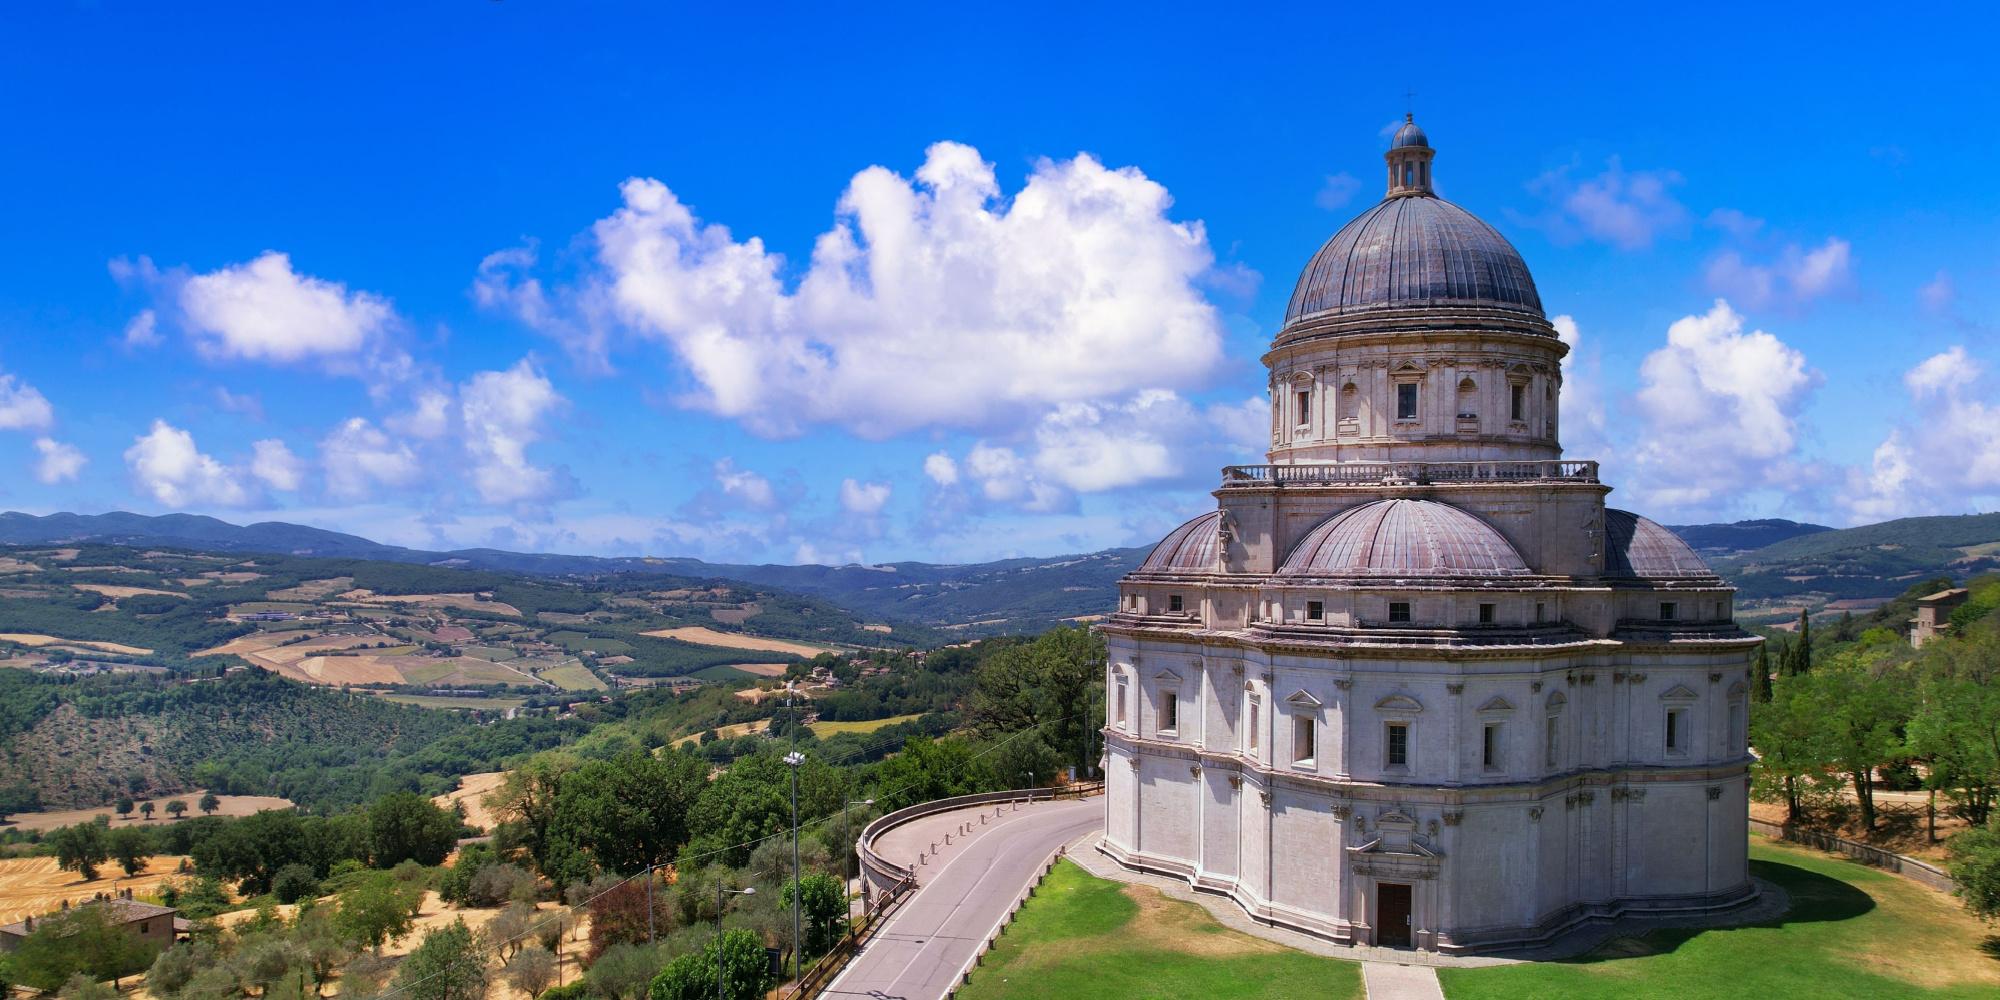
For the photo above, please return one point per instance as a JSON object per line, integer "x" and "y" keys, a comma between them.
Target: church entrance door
{"x": 1392, "y": 915}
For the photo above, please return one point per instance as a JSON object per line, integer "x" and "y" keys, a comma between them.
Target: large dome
{"x": 1637, "y": 546}
{"x": 1414, "y": 251}
{"x": 1190, "y": 548}
{"x": 1403, "y": 538}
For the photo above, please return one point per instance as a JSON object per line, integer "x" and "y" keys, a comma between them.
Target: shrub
{"x": 294, "y": 882}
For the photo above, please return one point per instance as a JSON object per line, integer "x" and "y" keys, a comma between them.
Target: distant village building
{"x": 1414, "y": 683}
{"x": 160, "y": 925}
{"x": 1934, "y": 615}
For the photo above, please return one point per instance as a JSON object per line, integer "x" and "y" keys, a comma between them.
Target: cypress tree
{"x": 1805, "y": 644}
{"x": 1762, "y": 689}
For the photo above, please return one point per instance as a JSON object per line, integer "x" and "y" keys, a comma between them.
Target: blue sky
{"x": 907, "y": 283}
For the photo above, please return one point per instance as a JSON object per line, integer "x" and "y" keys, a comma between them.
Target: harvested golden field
{"x": 33, "y": 639}
{"x": 703, "y": 636}
{"x": 312, "y": 590}
{"x": 729, "y": 732}
{"x": 762, "y": 669}
{"x": 463, "y": 602}
{"x": 472, "y": 790}
{"x": 270, "y": 651}
{"x": 116, "y": 592}
{"x": 232, "y": 805}
{"x": 346, "y": 670}
{"x": 8, "y": 564}
{"x": 30, "y": 887}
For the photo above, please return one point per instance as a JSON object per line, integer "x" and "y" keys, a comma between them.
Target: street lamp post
{"x": 845, "y": 847}
{"x": 794, "y": 759}
{"x": 721, "y": 992}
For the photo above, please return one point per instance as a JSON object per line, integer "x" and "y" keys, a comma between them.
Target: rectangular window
{"x": 1552, "y": 740}
{"x": 1399, "y": 611}
{"x": 1256, "y": 724}
{"x": 1677, "y": 730}
{"x": 1519, "y": 403}
{"x": 1122, "y": 724}
{"x": 1174, "y": 603}
{"x": 1541, "y": 612}
{"x": 1737, "y": 737}
{"x": 1315, "y": 611}
{"x": 1667, "y": 610}
{"x": 1406, "y": 401}
{"x": 1304, "y": 408}
{"x": 1302, "y": 739}
{"x": 1170, "y": 711}
{"x": 1489, "y": 747}
{"x": 1396, "y": 745}
{"x": 1486, "y": 614}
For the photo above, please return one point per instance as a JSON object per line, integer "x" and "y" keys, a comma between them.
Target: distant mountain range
{"x": 1767, "y": 559}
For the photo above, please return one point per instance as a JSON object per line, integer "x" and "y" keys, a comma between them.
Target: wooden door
{"x": 1392, "y": 915}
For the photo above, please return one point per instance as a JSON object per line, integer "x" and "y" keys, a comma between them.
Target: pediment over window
{"x": 1409, "y": 368}
{"x": 1678, "y": 692}
{"x": 1302, "y": 699}
{"x": 1395, "y": 818}
{"x": 1556, "y": 700}
{"x": 1737, "y": 691}
{"x": 1399, "y": 703}
{"x": 1167, "y": 675}
{"x": 1496, "y": 704}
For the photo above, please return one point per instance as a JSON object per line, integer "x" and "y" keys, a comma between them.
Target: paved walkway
{"x": 962, "y": 893}
{"x": 1385, "y": 981}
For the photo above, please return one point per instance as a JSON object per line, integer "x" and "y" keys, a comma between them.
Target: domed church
{"x": 1412, "y": 683}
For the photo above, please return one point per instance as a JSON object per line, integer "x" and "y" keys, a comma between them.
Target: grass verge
{"x": 1853, "y": 931}
{"x": 1082, "y": 937}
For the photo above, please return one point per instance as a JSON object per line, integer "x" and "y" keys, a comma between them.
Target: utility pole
{"x": 794, "y": 759}
{"x": 721, "y": 992}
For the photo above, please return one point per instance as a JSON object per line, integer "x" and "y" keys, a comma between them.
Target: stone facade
{"x": 1413, "y": 682}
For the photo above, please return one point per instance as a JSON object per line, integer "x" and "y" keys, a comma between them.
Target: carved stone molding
{"x": 1343, "y": 683}
{"x": 1236, "y": 781}
{"x": 1452, "y": 817}
{"x": 1715, "y": 677}
{"x": 1589, "y": 679}
{"x": 1535, "y": 813}
{"x": 1342, "y": 812}
{"x": 1134, "y": 761}
{"x": 1618, "y": 677}
{"x": 1267, "y": 798}
{"x": 1432, "y": 827}
{"x": 1455, "y": 688}
{"x": 1637, "y": 677}
{"x": 1535, "y": 686}
{"x": 1714, "y": 792}
{"x": 1194, "y": 770}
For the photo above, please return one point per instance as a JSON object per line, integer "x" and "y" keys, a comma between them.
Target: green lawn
{"x": 443, "y": 702}
{"x": 1082, "y": 937}
{"x": 1853, "y": 931}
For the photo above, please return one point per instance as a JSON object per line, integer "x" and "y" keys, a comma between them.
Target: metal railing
{"x": 888, "y": 883}
{"x": 1414, "y": 473}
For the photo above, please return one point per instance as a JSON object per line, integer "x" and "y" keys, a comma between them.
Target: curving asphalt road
{"x": 961, "y": 895}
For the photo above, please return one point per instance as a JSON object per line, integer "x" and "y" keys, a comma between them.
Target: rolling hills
{"x": 1772, "y": 561}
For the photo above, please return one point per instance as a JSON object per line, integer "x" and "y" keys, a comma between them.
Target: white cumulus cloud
{"x": 750, "y": 488}
{"x": 936, "y": 300}
{"x": 864, "y": 499}
{"x": 143, "y": 330}
{"x": 1945, "y": 456}
{"x": 275, "y": 466}
{"x": 357, "y": 457}
{"x": 23, "y": 407}
{"x": 263, "y": 310}
{"x": 1627, "y": 209}
{"x": 1721, "y": 408}
{"x": 503, "y": 413}
{"x": 57, "y": 462}
{"x": 941, "y": 468}
{"x": 166, "y": 465}
{"x": 1794, "y": 277}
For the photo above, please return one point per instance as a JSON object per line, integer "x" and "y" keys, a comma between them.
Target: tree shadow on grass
{"x": 1991, "y": 946}
{"x": 1815, "y": 898}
